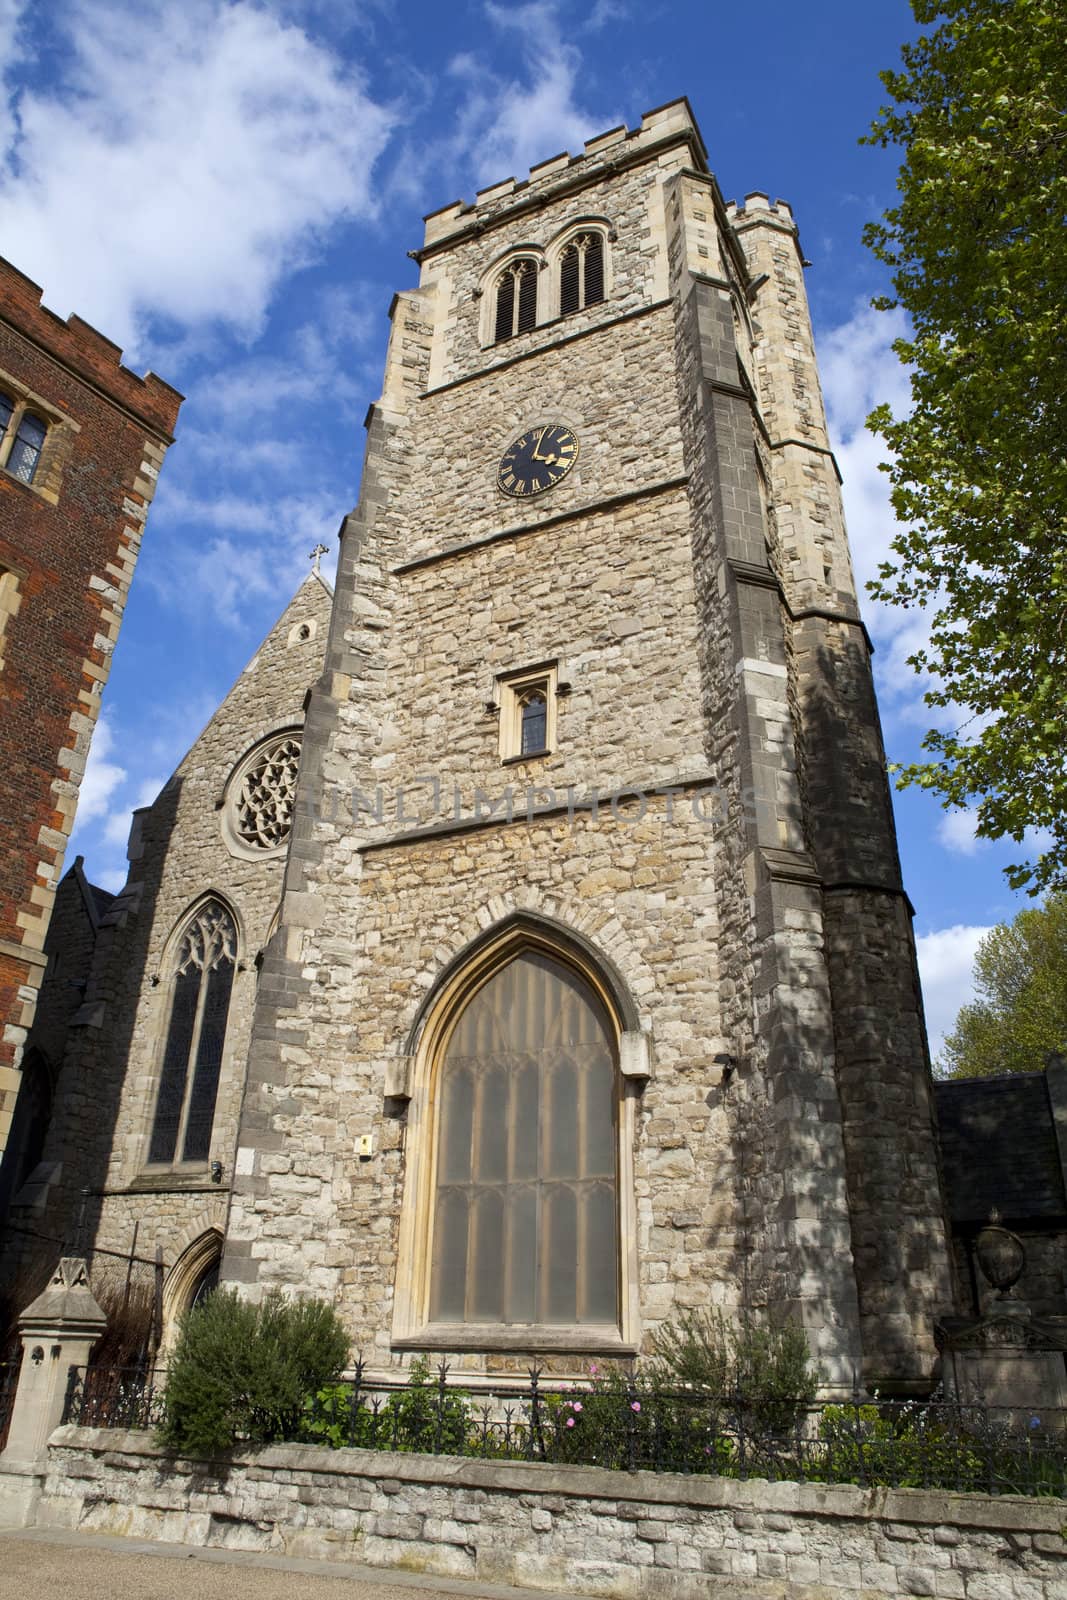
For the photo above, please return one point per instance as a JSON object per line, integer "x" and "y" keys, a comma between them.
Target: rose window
{"x": 263, "y": 807}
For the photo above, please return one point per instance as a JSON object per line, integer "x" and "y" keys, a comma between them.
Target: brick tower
{"x": 82, "y": 440}
{"x": 594, "y": 995}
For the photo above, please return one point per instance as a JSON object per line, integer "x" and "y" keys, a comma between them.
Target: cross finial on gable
{"x": 316, "y": 555}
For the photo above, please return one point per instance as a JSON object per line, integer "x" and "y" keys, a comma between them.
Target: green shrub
{"x": 421, "y": 1417}
{"x": 625, "y": 1421}
{"x": 763, "y": 1367}
{"x": 242, "y": 1372}
{"x": 908, "y": 1449}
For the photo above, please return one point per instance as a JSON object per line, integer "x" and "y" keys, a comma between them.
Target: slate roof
{"x": 998, "y": 1146}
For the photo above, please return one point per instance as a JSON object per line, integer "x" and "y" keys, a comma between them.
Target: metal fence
{"x": 10, "y": 1367}
{"x": 113, "y": 1397}
{"x": 626, "y": 1425}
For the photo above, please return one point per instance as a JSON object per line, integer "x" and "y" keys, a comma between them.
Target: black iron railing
{"x": 9, "y": 1382}
{"x": 626, "y": 1425}
{"x": 113, "y": 1397}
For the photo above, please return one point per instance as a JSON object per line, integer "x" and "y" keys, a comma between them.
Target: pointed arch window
{"x": 196, "y": 1032}
{"x": 516, "y": 299}
{"x": 525, "y": 1206}
{"x": 581, "y": 273}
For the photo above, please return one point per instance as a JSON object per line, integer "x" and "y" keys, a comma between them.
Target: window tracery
{"x": 203, "y": 972}
{"x": 516, "y": 299}
{"x": 525, "y": 1207}
{"x": 581, "y": 273}
{"x": 262, "y": 809}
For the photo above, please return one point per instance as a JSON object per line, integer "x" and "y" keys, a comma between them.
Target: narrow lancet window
{"x": 196, "y": 1033}
{"x": 534, "y": 714}
{"x": 581, "y": 273}
{"x": 516, "y": 299}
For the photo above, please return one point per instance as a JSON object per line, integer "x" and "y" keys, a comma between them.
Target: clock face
{"x": 537, "y": 461}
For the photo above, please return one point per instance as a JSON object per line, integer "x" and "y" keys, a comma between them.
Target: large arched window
{"x": 516, "y": 299}
{"x": 525, "y": 1224}
{"x": 196, "y": 1031}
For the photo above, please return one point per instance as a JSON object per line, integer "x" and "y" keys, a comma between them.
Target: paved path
{"x": 46, "y": 1565}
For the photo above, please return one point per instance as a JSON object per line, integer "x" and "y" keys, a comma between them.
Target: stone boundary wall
{"x": 634, "y": 1536}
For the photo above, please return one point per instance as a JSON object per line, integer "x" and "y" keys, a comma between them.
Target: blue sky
{"x": 229, "y": 191}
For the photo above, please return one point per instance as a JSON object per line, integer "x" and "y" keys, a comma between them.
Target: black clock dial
{"x": 537, "y": 461}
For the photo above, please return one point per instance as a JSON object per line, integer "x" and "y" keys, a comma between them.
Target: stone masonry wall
{"x": 579, "y": 1530}
{"x": 110, "y": 1076}
{"x": 882, "y": 1067}
{"x": 647, "y": 577}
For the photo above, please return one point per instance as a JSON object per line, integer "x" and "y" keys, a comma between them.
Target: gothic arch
{"x": 521, "y": 946}
{"x": 185, "y": 918}
{"x": 489, "y": 283}
{"x": 186, "y": 1276}
{"x": 528, "y": 928}
{"x": 191, "y": 1028}
{"x": 515, "y": 923}
{"x": 597, "y": 227}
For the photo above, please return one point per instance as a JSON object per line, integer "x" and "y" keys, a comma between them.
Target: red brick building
{"x": 82, "y": 440}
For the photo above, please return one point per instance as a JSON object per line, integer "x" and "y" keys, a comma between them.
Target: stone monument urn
{"x": 1001, "y": 1256}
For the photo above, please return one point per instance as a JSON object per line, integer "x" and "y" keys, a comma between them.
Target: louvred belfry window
{"x": 516, "y": 299}
{"x": 196, "y": 1033}
{"x": 581, "y": 273}
{"x": 525, "y": 1219}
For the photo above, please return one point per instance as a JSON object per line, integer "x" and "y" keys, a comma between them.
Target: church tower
{"x": 594, "y": 994}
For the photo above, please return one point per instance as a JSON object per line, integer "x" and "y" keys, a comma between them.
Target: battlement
{"x": 85, "y": 351}
{"x": 668, "y": 124}
{"x": 758, "y": 205}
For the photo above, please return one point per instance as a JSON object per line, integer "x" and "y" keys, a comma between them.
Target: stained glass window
{"x": 525, "y": 1222}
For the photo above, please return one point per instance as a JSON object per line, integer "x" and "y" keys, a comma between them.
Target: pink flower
{"x": 635, "y": 1405}
{"x": 570, "y": 1422}
{"x": 577, "y": 1404}
{"x": 593, "y": 1370}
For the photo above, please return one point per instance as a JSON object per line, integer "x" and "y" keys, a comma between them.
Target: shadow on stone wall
{"x": 57, "y": 1213}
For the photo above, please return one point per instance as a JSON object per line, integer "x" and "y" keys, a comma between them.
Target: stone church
{"x": 521, "y": 957}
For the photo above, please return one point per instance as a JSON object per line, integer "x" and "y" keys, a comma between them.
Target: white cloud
{"x": 233, "y": 552}
{"x": 101, "y": 778}
{"x": 117, "y": 827}
{"x": 188, "y": 158}
{"x": 956, "y": 832}
{"x": 946, "y": 966}
{"x": 507, "y": 123}
{"x": 859, "y": 371}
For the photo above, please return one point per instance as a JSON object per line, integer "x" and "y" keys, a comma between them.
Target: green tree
{"x": 978, "y": 252}
{"x": 1021, "y": 1012}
